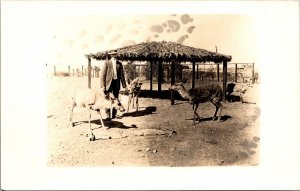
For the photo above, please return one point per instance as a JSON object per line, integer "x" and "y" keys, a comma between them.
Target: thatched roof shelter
{"x": 165, "y": 52}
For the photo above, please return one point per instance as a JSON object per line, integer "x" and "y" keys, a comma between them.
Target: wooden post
{"x": 89, "y": 73}
{"x": 218, "y": 72}
{"x": 159, "y": 77}
{"x": 151, "y": 76}
{"x": 85, "y": 72}
{"x": 81, "y": 71}
{"x": 197, "y": 71}
{"x": 54, "y": 70}
{"x": 235, "y": 73}
{"x": 172, "y": 81}
{"x": 193, "y": 76}
{"x": 134, "y": 74}
{"x": 168, "y": 73}
{"x": 253, "y": 73}
{"x": 69, "y": 70}
{"x": 139, "y": 70}
{"x": 224, "y": 79}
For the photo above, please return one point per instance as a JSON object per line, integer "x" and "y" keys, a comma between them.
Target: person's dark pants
{"x": 115, "y": 91}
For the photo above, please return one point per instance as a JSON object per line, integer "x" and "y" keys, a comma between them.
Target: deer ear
{"x": 183, "y": 80}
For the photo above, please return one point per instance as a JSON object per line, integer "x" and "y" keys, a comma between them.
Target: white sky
{"x": 69, "y": 31}
{"x": 73, "y": 36}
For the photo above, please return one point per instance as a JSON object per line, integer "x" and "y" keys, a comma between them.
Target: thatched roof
{"x": 163, "y": 51}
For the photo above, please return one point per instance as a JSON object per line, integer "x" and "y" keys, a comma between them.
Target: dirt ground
{"x": 158, "y": 135}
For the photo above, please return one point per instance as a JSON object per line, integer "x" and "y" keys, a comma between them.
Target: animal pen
{"x": 164, "y": 52}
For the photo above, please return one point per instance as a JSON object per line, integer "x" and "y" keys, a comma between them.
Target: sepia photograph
{"x": 153, "y": 90}
{"x": 102, "y": 95}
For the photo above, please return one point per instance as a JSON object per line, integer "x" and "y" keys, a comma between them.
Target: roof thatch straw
{"x": 163, "y": 51}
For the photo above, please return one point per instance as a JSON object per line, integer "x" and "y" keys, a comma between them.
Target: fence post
{"x": 54, "y": 70}
{"x": 172, "y": 81}
{"x": 81, "y": 71}
{"x": 224, "y": 79}
{"x": 193, "y": 76}
{"x": 253, "y": 73}
{"x": 69, "y": 70}
{"x": 235, "y": 73}
{"x": 218, "y": 72}
{"x": 89, "y": 72}
{"x": 151, "y": 74}
{"x": 159, "y": 77}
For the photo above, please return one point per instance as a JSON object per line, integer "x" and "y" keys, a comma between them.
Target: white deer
{"x": 93, "y": 100}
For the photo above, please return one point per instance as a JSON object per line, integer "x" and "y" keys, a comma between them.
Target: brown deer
{"x": 195, "y": 96}
{"x": 134, "y": 91}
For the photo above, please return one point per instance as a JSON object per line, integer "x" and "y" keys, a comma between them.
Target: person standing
{"x": 111, "y": 78}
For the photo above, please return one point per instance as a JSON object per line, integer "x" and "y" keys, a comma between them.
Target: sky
{"x": 71, "y": 37}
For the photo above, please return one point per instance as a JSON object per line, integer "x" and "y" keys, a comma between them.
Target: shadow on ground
{"x": 141, "y": 112}
{"x": 223, "y": 118}
{"x": 108, "y": 123}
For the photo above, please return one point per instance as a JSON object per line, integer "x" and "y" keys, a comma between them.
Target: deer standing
{"x": 212, "y": 93}
{"x": 93, "y": 100}
{"x": 134, "y": 91}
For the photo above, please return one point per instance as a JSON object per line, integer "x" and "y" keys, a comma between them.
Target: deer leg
{"x": 92, "y": 138}
{"x": 218, "y": 106}
{"x": 195, "y": 112}
{"x": 137, "y": 103}
{"x": 101, "y": 120}
{"x": 220, "y": 112}
{"x": 71, "y": 115}
{"x": 133, "y": 101}
{"x": 129, "y": 100}
{"x": 195, "y": 107}
{"x": 111, "y": 110}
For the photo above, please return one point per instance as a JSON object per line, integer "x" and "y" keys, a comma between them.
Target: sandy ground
{"x": 158, "y": 135}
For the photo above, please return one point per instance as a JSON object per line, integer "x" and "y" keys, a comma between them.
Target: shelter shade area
{"x": 169, "y": 52}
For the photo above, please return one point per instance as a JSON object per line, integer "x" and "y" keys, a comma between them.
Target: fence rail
{"x": 236, "y": 72}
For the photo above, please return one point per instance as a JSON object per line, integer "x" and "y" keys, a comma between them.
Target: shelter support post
{"x": 253, "y": 73}
{"x": 224, "y": 79}
{"x": 197, "y": 71}
{"x": 159, "y": 80}
{"x": 193, "y": 76}
{"x": 172, "y": 81}
{"x": 89, "y": 72}
{"x": 218, "y": 72}
{"x": 134, "y": 71}
{"x": 235, "y": 73}
{"x": 151, "y": 77}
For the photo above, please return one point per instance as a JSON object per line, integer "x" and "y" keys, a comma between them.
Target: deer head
{"x": 134, "y": 85}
